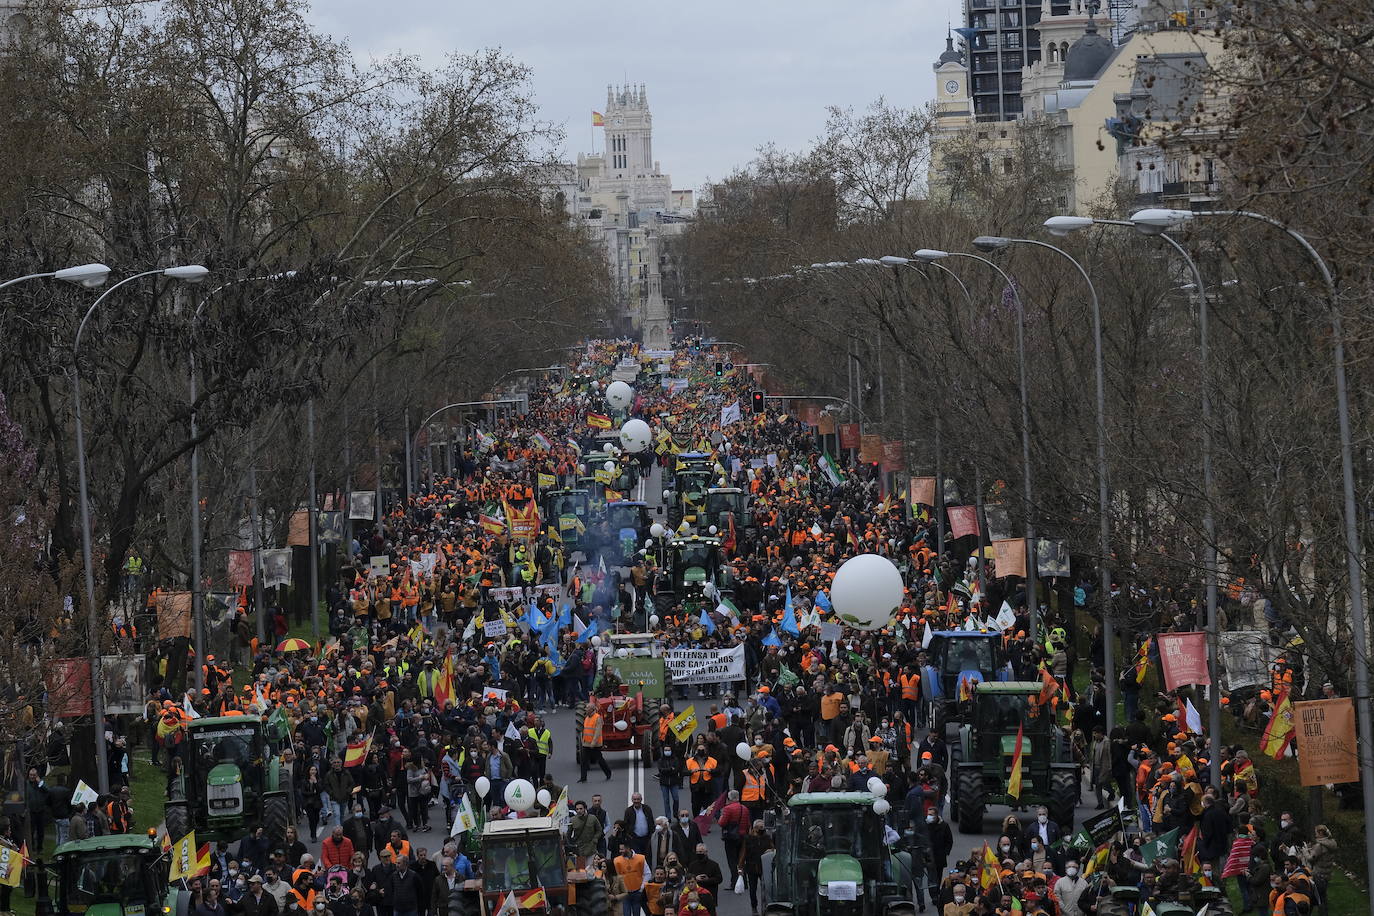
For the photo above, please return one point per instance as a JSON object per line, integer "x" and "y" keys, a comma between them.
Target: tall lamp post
{"x": 192, "y": 273}
{"x": 988, "y": 243}
{"x": 931, "y": 256}
{"x": 1161, "y": 219}
{"x": 1063, "y": 225}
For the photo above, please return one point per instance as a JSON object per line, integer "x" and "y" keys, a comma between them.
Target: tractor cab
{"x": 525, "y": 859}
{"x": 693, "y": 562}
{"x": 231, "y": 780}
{"x": 723, "y": 503}
{"x": 116, "y": 875}
{"x": 569, "y": 511}
{"x": 830, "y": 858}
{"x": 628, "y": 522}
{"x": 959, "y": 659}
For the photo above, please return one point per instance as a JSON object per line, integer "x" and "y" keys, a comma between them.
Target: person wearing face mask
{"x": 661, "y": 842}
{"x": 961, "y": 905}
{"x": 686, "y": 836}
{"x": 669, "y": 775}
{"x": 1069, "y": 888}
{"x": 1038, "y": 856}
{"x": 1287, "y": 841}
{"x": 941, "y": 841}
{"x": 1046, "y": 829}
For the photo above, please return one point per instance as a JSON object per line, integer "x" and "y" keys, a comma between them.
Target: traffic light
{"x": 729, "y": 367}
{"x": 720, "y": 370}
{"x": 756, "y": 400}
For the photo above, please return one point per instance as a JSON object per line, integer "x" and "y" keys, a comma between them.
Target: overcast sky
{"x": 722, "y": 77}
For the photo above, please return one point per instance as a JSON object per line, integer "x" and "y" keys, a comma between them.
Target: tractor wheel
{"x": 276, "y": 817}
{"x": 1110, "y": 907}
{"x": 969, "y": 794}
{"x": 178, "y": 821}
{"x": 1063, "y": 798}
{"x": 462, "y": 902}
{"x": 649, "y": 717}
{"x": 591, "y": 898}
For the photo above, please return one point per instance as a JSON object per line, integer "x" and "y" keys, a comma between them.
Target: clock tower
{"x": 952, "y": 106}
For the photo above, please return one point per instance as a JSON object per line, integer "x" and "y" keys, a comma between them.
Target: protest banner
{"x": 705, "y": 666}
{"x": 1326, "y": 741}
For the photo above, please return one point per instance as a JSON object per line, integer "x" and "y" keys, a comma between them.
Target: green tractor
{"x": 525, "y": 857}
{"x": 987, "y": 743}
{"x": 116, "y": 875}
{"x": 693, "y": 562}
{"x": 231, "y": 781}
{"x": 829, "y": 859}
{"x": 1124, "y": 900}
{"x": 569, "y": 513}
{"x": 725, "y": 503}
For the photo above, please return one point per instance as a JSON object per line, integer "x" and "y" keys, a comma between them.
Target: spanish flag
{"x": 1278, "y": 734}
{"x": 492, "y": 525}
{"x": 1142, "y": 661}
{"x": 990, "y": 871}
{"x": 598, "y": 119}
{"x": 534, "y": 900}
{"x": 356, "y": 754}
{"x": 598, "y": 420}
{"x": 1014, "y": 782}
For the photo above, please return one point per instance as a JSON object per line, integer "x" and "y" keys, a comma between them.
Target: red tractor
{"x": 628, "y": 722}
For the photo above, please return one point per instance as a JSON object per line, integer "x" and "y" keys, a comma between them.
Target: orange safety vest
{"x": 719, "y": 720}
{"x": 631, "y": 871}
{"x": 306, "y": 902}
{"x": 753, "y": 788}
{"x": 699, "y": 771}
{"x": 591, "y": 731}
{"x": 911, "y": 686}
{"x": 402, "y": 850}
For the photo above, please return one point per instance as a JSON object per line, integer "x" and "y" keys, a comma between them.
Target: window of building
{"x": 1011, "y": 39}
{"x": 1054, "y": 53}
{"x": 1011, "y": 19}
{"x": 1002, "y": 134}
{"x": 1008, "y": 165}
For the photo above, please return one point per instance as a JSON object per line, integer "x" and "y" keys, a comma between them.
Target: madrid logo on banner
{"x": 1183, "y": 657}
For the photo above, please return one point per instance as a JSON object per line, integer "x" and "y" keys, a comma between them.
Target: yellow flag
{"x": 684, "y": 723}
{"x": 12, "y": 865}
{"x": 183, "y": 865}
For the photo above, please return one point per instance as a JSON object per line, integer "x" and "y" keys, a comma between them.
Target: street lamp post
{"x": 931, "y": 256}
{"x": 1063, "y": 225}
{"x": 997, "y": 243}
{"x": 1160, "y": 219}
{"x": 193, "y": 273}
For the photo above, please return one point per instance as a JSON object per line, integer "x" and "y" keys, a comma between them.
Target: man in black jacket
{"x": 257, "y": 902}
{"x": 405, "y": 889}
{"x": 639, "y": 822}
{"x": 708, "y": 875}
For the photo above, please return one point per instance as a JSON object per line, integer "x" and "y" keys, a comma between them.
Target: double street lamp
{"x": 192, "y": 273}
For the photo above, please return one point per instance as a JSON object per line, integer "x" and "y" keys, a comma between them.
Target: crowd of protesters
{"x": 409, "y": 673}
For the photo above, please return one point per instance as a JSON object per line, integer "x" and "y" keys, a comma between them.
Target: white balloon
{"x": 544, "y": 797}
{"x": 867, "y": 591}
{"x": 596, "y": 641}
{"x": 653, "y": 620}
{"x": 816, "y": 531}
{"x": 609, "y": 466}
{"x": 621, "y": 725}
{"x": 713, "y": 529}
{"x": 619, "y": 395}
{"x": 635, "y": 436}
{"x": 482, "y": 785}
{"x": 876, "y": 787}
{"x": 742, "y": 751}
{"x": 657, "y": 530}
{"x": 622, "y": 653}
{"x": 520, "y": 795}
{"x": 881, "y": 806}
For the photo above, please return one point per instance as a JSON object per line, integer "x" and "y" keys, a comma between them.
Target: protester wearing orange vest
{"x": 755, "y": 788}
{"x": 593, "y": 737}
{"x": 701, "y": 777}
{"x": 633, "y": 870}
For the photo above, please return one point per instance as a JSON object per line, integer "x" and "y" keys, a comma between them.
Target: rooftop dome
{"x": 1087, "y": 56}
{"x": 950, "y": 54}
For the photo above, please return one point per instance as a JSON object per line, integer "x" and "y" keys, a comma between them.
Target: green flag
{"x": 857, "y": 659}
{"x": 279, "y": 724}
{"x": 786, "y": 678}
{"x": 1164, "y": 846}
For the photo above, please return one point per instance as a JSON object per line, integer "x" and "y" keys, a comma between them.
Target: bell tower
{"x": 629, "y": 132}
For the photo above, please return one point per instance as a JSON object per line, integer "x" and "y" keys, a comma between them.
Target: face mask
{"x": 1286, "y": 823}
{"x": 1071, "y": 870}
{"x": 958, "y": 898}
{"x": 1207, "y": 873}
{"x": 930, "y": 818}
{"x": 1043, "y": 819}
{"x": 1006, "y": 847}
{"x": 683, "y": 821}
{"x": 667, "y": 752}
{"x": 1035, "y": 845}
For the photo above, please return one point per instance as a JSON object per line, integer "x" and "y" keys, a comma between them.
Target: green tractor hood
{"x": 224, "y": 774}
{"x": 694, "y": 575}
{"x": 113, "y": 909}
{"x": 839, "y": 867}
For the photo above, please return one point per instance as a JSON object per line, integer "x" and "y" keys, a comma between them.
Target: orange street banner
{"x": 810, "y": 413}
{"x": 298, "y": 531}
{"x": 174, "y": 615}
{"x": 963, "y": 521}
{"x": 921, "y": 491}
{"x": 849, "y": 435}
{"x": 1326, "y": 741}
{"x": 826, "y": 425}
{"x": 1010, "y": 557}
{"x": 894, "y": 456}
{"x": 871, "y": 449}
